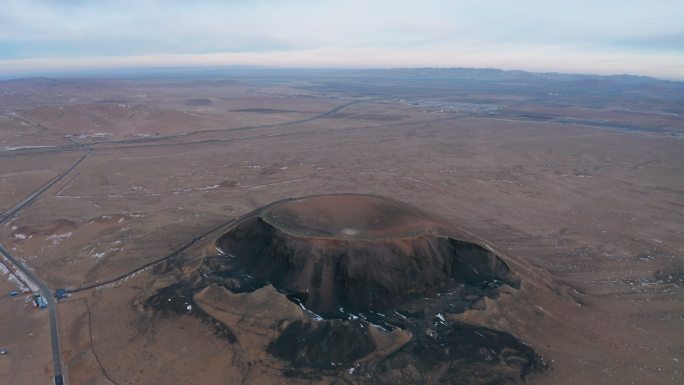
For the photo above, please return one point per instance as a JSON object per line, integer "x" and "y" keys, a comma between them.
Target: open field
{"x": 578, "y": 179}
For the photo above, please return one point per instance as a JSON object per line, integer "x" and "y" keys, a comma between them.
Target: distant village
{"x": 446, "y": 106}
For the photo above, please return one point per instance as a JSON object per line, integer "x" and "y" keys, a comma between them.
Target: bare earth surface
{"x": 576, "y": 184}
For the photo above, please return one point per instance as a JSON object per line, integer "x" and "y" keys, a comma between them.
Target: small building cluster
{"x": 61, "y": 293}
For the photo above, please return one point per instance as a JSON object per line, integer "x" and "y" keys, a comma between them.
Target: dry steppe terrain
{"x": 576, "y": 182}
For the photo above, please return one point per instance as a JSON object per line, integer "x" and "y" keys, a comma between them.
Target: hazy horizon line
{"x": 190, "y": 70}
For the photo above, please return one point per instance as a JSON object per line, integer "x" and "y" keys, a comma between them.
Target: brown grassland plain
{"x": 597, "y": 210}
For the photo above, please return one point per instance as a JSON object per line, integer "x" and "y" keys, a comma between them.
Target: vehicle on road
{"x": 40, "y": 302}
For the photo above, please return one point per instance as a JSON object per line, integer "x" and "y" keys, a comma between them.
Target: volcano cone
{"x": 340, "y": 253}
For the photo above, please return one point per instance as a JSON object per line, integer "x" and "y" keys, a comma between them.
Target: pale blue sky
{"x": 597, "y": 36}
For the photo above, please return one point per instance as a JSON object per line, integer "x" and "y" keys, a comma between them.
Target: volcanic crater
{"x": 357, "y": 253}
{"x": 356, "y": 281}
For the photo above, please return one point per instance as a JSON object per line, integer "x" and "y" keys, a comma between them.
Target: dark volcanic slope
{"x": 358, "y": 252}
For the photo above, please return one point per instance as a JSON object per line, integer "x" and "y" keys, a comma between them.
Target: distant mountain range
{"x": 483, "y": 74}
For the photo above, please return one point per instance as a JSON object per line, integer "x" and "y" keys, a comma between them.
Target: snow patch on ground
{"x": 97, "y": 135}
{"x": 21, "y": 148}
{"x": 58, "y": 238}
{"x": 16, "y": 278}
{"x": 178, "y": 191}
{"x": 311, "y": 314}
